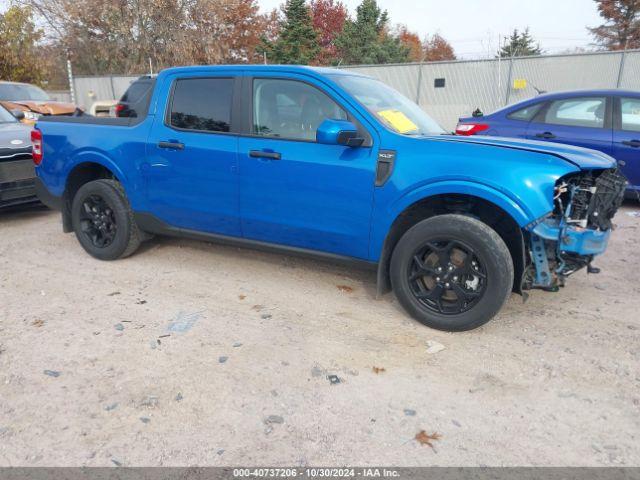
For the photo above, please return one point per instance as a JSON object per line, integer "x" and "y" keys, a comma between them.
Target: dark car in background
{"x": 605, "y": 120}
{"x": 17, "y": 173}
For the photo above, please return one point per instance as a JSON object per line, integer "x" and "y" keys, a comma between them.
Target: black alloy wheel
{"x": 452, "y": 272}
{"x": 447, "y": 277}
{"x": 97, "y": 221}
{"x": 103, "y": 220}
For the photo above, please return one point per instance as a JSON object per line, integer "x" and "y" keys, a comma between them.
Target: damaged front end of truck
{"x": 576, "y": 231}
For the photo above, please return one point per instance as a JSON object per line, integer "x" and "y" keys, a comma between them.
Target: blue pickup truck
{"x": 336, "y": 164}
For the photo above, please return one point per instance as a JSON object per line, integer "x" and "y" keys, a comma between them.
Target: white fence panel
{"x": 484, "y": 84}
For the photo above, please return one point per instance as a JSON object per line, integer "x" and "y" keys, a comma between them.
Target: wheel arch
{"x": 487, "y": 211}
{"x": 82, "y": 172}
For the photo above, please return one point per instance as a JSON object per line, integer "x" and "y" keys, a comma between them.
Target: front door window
{"x": 290, "y": 109}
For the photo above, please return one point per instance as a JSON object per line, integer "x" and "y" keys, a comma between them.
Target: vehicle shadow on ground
{"x": 361, "y": 277}
{"x": 22, "y": 212}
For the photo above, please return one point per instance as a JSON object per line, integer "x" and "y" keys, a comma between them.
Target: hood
{"x": 583, "y": 158}
{"x": 14, "y": 136}
{"x": 45, "y": 107}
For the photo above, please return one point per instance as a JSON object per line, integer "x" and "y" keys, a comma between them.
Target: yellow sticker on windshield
{"x": 398, "y": 120}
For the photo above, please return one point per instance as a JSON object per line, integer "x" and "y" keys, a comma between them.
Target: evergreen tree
{"x": 520, "y": 44}
{"x": 367, "y": 39}
{"x": 297, "y": 42}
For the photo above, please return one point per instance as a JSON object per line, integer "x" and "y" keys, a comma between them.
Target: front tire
{"x": 452, "y": 272}
{"x": 103, "y": 220}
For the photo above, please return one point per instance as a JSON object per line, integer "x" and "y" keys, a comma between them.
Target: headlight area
{"x": 578, "y": 228}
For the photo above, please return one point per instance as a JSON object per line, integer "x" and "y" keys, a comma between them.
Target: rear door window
{"x": 578, "y": 112}
{"x": 527, "y": 113}
{"x": 630, "y": 110}
{"x": 202, "y": 104}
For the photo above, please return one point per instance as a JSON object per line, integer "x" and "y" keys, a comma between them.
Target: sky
{"x": 474, "y": 26}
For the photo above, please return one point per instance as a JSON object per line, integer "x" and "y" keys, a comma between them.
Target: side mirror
{"x": 338, "y": 132}
{"x": 19, "y": 114}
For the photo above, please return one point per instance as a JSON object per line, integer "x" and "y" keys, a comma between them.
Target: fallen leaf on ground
{"x": 345, "y": 288}
{"x": 38, "y": 323}
{"x": 379, "y": 369}
{"x": 423, "y": 438}
{"x": 242, "y": 297}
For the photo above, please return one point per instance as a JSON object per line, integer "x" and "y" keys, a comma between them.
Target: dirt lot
{"x": 191, "y": 353}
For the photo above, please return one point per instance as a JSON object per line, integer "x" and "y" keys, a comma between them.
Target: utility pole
{"x": 419, "y": 86}
{"x": 72, "y": 90}
{"x": 499, "y": 70}
{"x": 622, "y": 61}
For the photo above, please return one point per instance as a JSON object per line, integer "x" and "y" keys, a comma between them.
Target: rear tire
{"x": 452, "y": 272}
{"x": 103, "y": 221}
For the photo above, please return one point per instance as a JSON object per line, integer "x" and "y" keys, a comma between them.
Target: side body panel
{"x": 194, "y": 186}
{"x": 519, "y": 182}
{"x": 504, "y": 127}
{"x": 320, "y": 197}
{"x": 121, "y": 149}
{"x": 594, "y": 138}
{"x": 626, "y": 145}
{"x": 311, "y": 195}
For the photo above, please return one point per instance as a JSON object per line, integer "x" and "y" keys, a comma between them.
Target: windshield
{"x": 389, "y": 106}
{"x": 6, "y": 117}
{"x": 19, "y": 91}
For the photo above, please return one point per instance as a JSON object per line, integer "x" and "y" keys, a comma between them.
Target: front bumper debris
{"x": 581, "y": 241}
{"x": 578, "y": 229}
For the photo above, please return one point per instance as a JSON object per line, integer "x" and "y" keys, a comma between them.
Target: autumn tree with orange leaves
{"x": 432, "y": 49}
{"x": 412, "y": 41}
{"x": 621, "y": 29}
{"x": 328, "y": 17}
{"x": 123, "y": 36}
{"x": 437, "y": 49}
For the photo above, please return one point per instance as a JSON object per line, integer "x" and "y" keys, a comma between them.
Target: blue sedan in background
{"x": 605, "y": 120}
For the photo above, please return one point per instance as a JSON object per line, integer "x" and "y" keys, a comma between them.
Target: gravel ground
{"x": 190, "y": 353}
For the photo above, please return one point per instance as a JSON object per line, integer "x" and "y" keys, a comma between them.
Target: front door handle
{"x": 632, "y": 143}
{"x": 545, "y": 135}
{"x": 171, "y": 145}
{"x": 263, "y": 154}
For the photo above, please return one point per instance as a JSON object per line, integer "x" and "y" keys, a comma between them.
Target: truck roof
{"x": 303, "y": 69}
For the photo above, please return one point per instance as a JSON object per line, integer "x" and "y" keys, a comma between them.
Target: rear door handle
{"x": 632, "y": 143}
{"x": 545, "y": 135}
{"x": 171, "y": 145}
{"x": 262, "y": 154}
